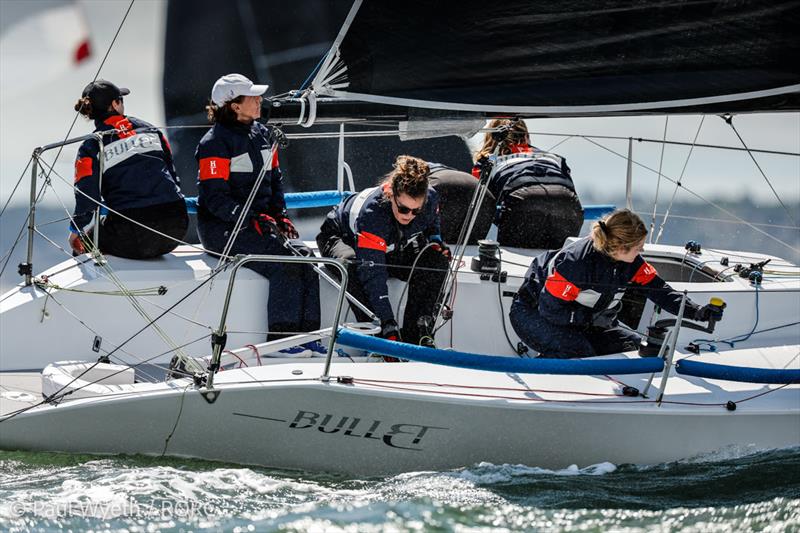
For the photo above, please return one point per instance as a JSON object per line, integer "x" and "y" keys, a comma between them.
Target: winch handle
{"x": 719, "y": 303}
{"x": 667, "y": 322}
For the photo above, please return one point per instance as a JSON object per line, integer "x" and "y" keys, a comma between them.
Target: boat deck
{"x": 20, "y": 390}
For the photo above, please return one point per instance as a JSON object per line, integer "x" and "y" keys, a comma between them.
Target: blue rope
{"x": 314, "y": 71}
{"x": 711, "y": 343}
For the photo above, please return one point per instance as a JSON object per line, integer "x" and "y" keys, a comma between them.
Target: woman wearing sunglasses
{"x": 382, "y": 232}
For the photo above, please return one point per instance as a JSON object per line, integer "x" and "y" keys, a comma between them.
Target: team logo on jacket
{"x": 123, "y": 149}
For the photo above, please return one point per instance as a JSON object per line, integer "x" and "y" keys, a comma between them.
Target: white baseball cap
{"x": 230, "y": 86}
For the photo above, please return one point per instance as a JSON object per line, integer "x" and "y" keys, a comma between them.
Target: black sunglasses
{"x": 405, "y": 210}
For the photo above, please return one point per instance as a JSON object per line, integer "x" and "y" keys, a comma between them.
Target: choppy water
{"x": 724, "y": 492}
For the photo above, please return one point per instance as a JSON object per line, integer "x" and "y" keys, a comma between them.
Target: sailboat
{"x": 99, "y": 332}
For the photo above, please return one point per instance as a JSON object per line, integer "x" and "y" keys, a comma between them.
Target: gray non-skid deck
{"x": 19, "y": 390}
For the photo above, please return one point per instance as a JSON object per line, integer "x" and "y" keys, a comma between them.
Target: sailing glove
{"x": 389, "y": 330}
{"x": 442, "y": 248}
{"x": 286, "y": 228}
{"x": 264, "y": 224}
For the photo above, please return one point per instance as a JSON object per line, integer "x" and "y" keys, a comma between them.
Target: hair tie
{"x": 602, "y": 226}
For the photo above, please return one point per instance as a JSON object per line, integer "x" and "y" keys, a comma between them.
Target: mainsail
{"x": 537, "y": 58}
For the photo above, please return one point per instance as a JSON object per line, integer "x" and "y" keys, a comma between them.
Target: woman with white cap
{"x": 231, "y": 156}
{"x": 139, "y": 185}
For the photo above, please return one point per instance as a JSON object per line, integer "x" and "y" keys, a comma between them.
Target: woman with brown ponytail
{"x": 537, "y": 206}
{"x": 139, "y": 184}
{"x": 568, "y": 303}
{"x": 382, "y": 231}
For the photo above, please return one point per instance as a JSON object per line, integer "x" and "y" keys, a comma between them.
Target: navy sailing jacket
{"x": 137, "y": 169}
{"x": 572, "y": 285}
{"x": 368, "y": 225}
{"x": 514, "y": 171}
{"x": 230, "y": 159}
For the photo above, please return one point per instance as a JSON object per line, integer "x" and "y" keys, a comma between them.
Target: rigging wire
{"x": 54, "y": 398}
{"x": 16, "y": 186}
{"x": 25, "y": 222}
{"x": 722, "y": 220}
{"x": 680, "y": 179}
{"x": 702, "y": 198}
{"x": 658, "y": 183}
{"x": 729, "y": 120}
{"x": 112, "y": 276}
{"x": 66, "y": 137}
{"x": 116, "y": 293}
{"x": 99, "y": 69}
{"x": 662, "y": 141}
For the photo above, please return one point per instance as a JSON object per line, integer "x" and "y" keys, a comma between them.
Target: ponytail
{"x": 409, "y": 176}
{"x": 619, "y": 231}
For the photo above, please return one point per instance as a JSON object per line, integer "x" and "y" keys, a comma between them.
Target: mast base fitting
{"x": 25, "y": 269}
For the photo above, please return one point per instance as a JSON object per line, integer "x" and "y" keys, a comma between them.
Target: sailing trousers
{"x": 565, "y": 342}
{"x": 293, "y": 302}
{"x": 123, "y": 238}
{"x": 424, "y": 282}
{"x": 539, "y": 216}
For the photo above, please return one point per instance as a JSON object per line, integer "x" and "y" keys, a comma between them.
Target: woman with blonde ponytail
{"x": 568, "y": 304}
{"x": 380, "y": 232}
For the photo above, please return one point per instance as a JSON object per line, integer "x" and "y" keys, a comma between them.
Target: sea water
{"x": 734, "y": 490}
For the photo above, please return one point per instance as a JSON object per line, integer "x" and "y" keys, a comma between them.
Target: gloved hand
{"x": 442, "y": 248}
{"x": 389, "y": 330}
{"x": 76, "y": 244}
{"x": 708, "y": 312}
{"x": 286, "y": 228}
{"x": 264, "y": 224}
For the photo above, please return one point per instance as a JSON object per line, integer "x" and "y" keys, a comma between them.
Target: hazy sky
{"x": 36, "y": 109}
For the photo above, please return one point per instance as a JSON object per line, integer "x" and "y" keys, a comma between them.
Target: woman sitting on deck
{"x": 138, "y": 184}
{"x": 231, "y": 156}
{"x": 568, "y": 303}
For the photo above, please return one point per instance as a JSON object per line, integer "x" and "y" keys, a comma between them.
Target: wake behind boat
{"x": 693, "y": 388}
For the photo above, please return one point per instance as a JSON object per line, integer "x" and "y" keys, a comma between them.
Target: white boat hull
{"x": 394, "y": 419}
